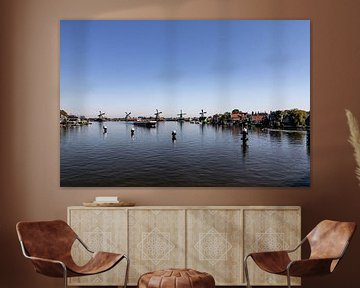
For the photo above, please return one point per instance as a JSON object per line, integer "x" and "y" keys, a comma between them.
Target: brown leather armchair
{"x": 328, "y": 242}
{"x": 48, "y": 245}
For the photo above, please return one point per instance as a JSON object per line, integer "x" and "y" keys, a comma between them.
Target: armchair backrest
{"x": 46, "y": 239}
{"x": 329, "y": 239}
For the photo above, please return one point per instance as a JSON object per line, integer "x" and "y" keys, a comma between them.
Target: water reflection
{"x": 181, "y": 124}
{"x": 275, "y": 135}
{"x": 308, "y": 141}
{"x": 295, "y": 137}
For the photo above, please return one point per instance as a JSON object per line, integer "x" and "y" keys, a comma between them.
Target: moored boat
{"x": 145, "y": 123}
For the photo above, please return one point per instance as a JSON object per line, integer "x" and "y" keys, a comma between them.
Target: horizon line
{"x": 184, "y": 113}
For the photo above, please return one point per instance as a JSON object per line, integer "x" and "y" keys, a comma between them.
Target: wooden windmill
{"x": 157, "y": 115}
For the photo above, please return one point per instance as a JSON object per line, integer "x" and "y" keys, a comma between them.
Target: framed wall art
{"x": 164, "y": 103}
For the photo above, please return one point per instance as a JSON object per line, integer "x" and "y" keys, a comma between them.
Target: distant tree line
{"x": 289, "y": 118}
{"x": 294, "y": 118}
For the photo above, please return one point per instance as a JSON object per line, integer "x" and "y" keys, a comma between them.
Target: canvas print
{"x": 158, "y": 103}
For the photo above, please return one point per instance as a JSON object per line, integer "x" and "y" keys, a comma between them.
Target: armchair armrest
{"x": 83, "y": 244}
{"x": 298, "y": 246}
{"x": 48, "y": 267}
{"x": 309, "y": 267}
{"x": 280, "y": 252}
{"x": 314, "y": 266}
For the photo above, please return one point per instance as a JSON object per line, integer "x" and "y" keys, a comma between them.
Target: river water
{"x": 201, "y": 155}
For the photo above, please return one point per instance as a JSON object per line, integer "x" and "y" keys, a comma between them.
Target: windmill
{"x": 157, "y": 118}
{"x": 202, "y": 113}
{"x": 127, "y": 116}
{"x": 101, "y": 116}
{"x": 181, "y": 115}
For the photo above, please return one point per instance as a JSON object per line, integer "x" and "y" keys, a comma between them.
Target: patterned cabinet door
{"x": 270, "y": 230}
{"x": 101, "y": 230}
{"x": 156, "y": 240}
{"x": 214, "y": 244}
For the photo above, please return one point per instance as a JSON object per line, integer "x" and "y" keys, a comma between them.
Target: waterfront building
{"x": 258, "y": 118}
{"x": 237, "y": 115}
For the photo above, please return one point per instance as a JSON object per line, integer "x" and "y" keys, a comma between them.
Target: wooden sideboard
{"x": 212, "y": 239}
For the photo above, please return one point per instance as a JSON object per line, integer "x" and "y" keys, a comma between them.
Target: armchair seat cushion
{"x": 99, "y": 262}
{"x": 272, "y": 262}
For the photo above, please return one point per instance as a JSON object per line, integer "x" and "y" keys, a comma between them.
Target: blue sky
{"x": 216, "y": 65}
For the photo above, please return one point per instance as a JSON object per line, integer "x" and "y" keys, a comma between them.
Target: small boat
{"x": 145, "y": 123}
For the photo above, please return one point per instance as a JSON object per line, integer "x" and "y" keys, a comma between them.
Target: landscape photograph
{"x": 185, "y": 103}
